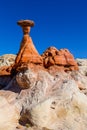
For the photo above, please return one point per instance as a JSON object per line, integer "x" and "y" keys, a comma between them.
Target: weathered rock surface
{"x": 9, "y": 113}
{"x": 52, "y": 101}
{"x": 80, "y": 79}
{"x": 25, "y": 23}
{"x": 47, "y": 92}
{"x": 27, "y": 53}
{"x": 62, "y": 58}
{"x": 82, "y": 66}
{"x": 7, "y": 60}
{"x": 62, "y": 110}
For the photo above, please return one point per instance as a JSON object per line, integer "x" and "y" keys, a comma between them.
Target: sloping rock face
{"x": 62, "y": 58}
{"x": 62, "y": 110}
{"x": 9, "y": 113}
{"x": 50, "y": 101}
{"x": 28, "y": 53}
{"x": 82, "y": 63}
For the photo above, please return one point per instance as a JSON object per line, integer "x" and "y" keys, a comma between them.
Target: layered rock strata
{"x": 27, "y": 53}
{"x": 62, "y": 58}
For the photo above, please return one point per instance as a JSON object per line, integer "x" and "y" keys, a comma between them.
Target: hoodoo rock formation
{"x": 42, "y": 92}
{"x": 28, "y": 56}
{"x": 27, "y": 53}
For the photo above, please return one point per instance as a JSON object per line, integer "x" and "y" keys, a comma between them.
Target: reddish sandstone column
{"x": 27, "y": 53}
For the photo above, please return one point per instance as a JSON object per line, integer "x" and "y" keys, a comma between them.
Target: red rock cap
{"x": 26, "y": 23}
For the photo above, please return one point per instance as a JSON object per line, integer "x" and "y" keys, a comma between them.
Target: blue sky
{"x": 59, "y": 23}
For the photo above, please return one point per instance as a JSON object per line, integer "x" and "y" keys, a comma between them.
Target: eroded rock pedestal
{"x": 27, "y": 54}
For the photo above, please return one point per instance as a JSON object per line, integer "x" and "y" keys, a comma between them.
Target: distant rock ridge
{"x": 28, "y": 56}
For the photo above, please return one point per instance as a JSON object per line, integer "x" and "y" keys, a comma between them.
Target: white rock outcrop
{"x": 9, "y": 113}
{"x": 51, "y": 101}
{"x": 82, "y": 66}
{"x": 7, "y": 60}
{"x": 54, "y": 102}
